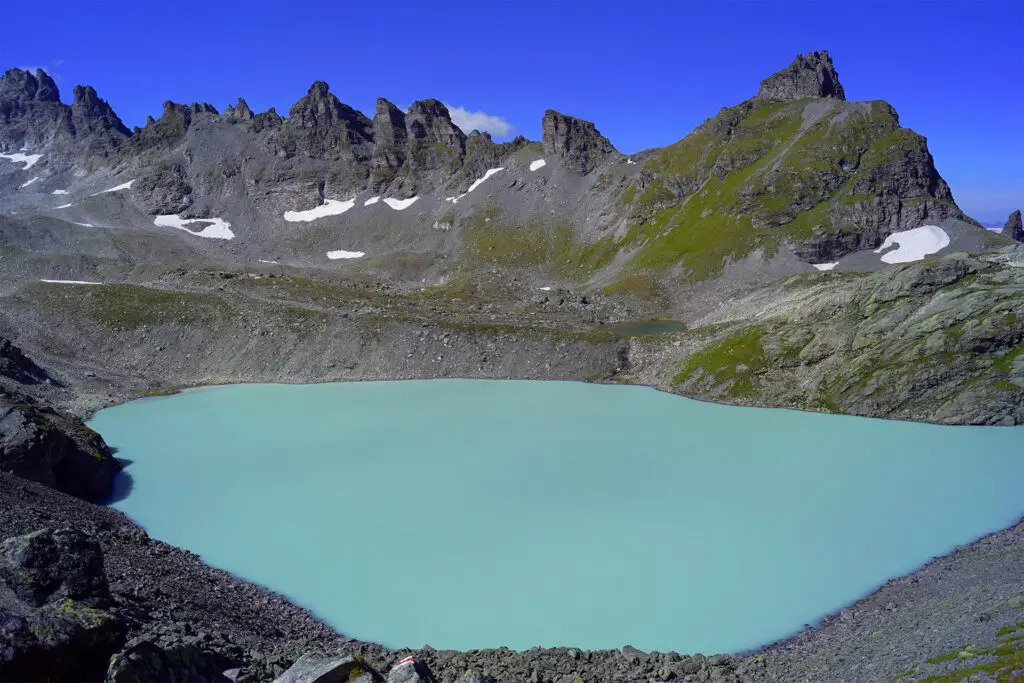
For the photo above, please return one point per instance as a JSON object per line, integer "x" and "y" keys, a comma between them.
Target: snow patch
{"x": 341, "y": 253}
{"x": 122, "y": 186}
{"x": 218, "y": 228}
{"x": 545, "y": 289}
{"x": 630, "y": 162}
{"x": 71, "y": 282}
{"x": 478, "y": 182}
{"x": 29, "y": 182}
{"x": 914, "y": 244}
{"x": 400, "y": 204}
{"x": 28, "y": 159}
{"x": 330, "y": 207}
{"x": 266, "y": 261}
{"x": 84, "y": 225}
{"x": 59, "y": 192}
{"x": 825, "y": 266}
{"x": 538, "y": 164}
{"x": 371, "y": 200}
{"x": 63, "y": 206}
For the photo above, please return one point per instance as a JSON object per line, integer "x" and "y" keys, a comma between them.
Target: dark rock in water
{"x": 38, "y": 443}
{"x": 810, "y": 76}
{"x": 51, "y": 584}
{"x": 1014, "y": 229}
{"x": 174, "y": 657}
{"x": 575, "y": 140}
{"x": 315, "y": 668}
{"x": 17, "y": 366}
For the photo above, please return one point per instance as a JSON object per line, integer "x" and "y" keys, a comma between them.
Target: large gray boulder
{"x": 172, "y": 655}
{"x": 317, "y": 668}
{"x": 53, "y": 625}
{"x": 813, "y": 75}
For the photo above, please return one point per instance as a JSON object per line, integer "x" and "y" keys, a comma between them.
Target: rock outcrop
{"x": 16, "y": 366}
{"x": 390, "y": 140}
{"x": 53, "y": 601}
{"x": 813, "y": 75}
{"x": 1014, "y": 228}
{"x": 239, "y": 112}
{"x": 316, "y": 668}
{"x": 577, "y": 141}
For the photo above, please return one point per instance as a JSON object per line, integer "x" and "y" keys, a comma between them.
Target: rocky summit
{"x": 796, "y": 249}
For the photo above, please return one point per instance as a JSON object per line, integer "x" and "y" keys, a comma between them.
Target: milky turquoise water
{"x": 470, "y": 514}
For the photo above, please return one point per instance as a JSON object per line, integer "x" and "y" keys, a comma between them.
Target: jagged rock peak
{"x": 266, "y": 119}
{"x": 575, "y": 140}
{"x": 204, "y": 108}
{"x": 388, "y": 124}
{"x": 21, "y": 84}
{"x": 813, "y": 75}
{"x": 431, "y": 119}
{"x": 239, "y": 112}
{"x": 1014, "y": 228}
{"x": 320, "y": 107}
{"x": 90, "y": 113}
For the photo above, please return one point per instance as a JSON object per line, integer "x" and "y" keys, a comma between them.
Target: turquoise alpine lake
{"x": 470, "y": 514}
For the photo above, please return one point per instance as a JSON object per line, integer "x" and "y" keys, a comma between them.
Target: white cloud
{"x": 478, "y": 120}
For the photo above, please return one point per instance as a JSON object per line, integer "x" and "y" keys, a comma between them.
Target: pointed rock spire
{"x": 47, "y": 90}
{"x": 90, "y": 114}
{"x": 319, "y": 125}
{"x": 813, "y": 75}
{"x": 1014, "y": 228}
{"x": 239, "y": 112}
{"x": 434, "y": 141}
{"x": 575, "y": 140}
{"x": 389, "y": 143}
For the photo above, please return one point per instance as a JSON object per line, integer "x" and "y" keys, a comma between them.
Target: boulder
{"x": 52, "y": 625}
{"x": 41, "y": 444}
{"x": 174, "y": 656}
{"x": 410, "y": 670}
{"x": 317, "y": 668}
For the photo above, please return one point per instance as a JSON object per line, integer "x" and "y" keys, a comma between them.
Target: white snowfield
{"x": 538, "y": 164}
{"x": 266, "y": 261}
{"x": 71, "y": 282}
{"x": 400, "y": 204}
{"x": 630, "y": 161}
{"x": 28, "y": 159}
{"x": 825, "y": 266}
{"x": 341, "y": 253}
{"x": 914, "y": 244}
{"x": 330, "y": 207}
{"x": 545, "y": 289}
{"x": 479, "y": 181}
{"x": 63, "y": 206}
{"x": 371, "y": 200}
{"x": 59, "y": 192}
{"x": 122, "y": 186}
{"x": 84, "y": 225}
{"x": 29, "y": 182}
{"x": 218, "y": 228}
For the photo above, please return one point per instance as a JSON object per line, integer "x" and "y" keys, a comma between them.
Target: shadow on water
{"x": 123, "y": 483}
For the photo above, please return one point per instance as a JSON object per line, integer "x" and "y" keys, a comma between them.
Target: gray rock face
{"x": 575, "y": 140}
{"x": 163, "y": 188}
{"x": 315, "y": 668}
{"x": 321, "y": 126}
{"x": 434, "y": 142}
{"x": 239, "y": 113}
{"x": 38, "y": 443}
{"x": 91, "y": 115}
{"x": 171, "y": 655}
{"x": 52, "y": 594}
{"x": 415, "y": 672}
{"x": 166, "y": 131}
{"x": 810, "y": 76}
{"x": 389, "y": 144}
{"x": 17, "y": 366}
{"x": 1014, "y": 228}
{"x": 30, "y": 110}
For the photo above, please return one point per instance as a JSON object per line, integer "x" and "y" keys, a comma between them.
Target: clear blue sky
{"x": 646, "y": 71}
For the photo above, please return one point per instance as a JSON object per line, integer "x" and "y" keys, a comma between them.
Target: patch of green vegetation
{"x": 1003, "y": 661}
{"x": 130, "y": 306}
{"x": 628, "y": 196}
{"x": 731, "y": 362}
{"x": 639, "y": 285}
{"x": 1005, "y": 385}
{"x": 1005, "y": 364}
{"x": 1008, "y": 630}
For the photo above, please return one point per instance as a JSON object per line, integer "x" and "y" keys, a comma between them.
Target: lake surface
{"x": 470, "y": 514}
